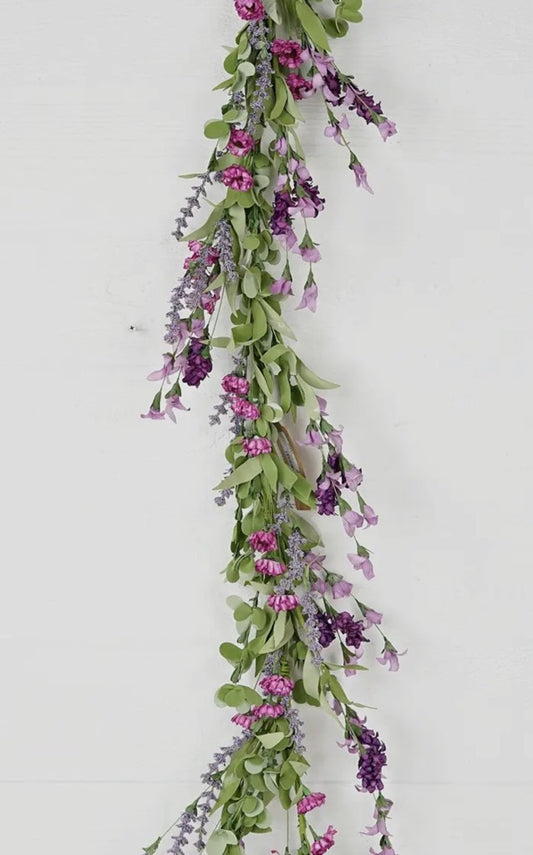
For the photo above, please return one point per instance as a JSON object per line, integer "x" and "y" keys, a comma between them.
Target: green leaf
{"x": 276, "y": 321}
{"x": 280, "y": 91}
{"x": 312, "y": 25}
{"x": 335, "y": 27}
{"x": 216, "y": 129}
{"x": 220, "y": 341}
{"x": 259, "y": 321}
{"x": 274, "y": 353}
{"x": 247, "y": 471}
{"x": 230, "y": 652}
{"x": 313, "y": 379}
{"x": 150, "y": 850}
{"x": 255, "y": 764}
{"x": 348, "y": 14}
{"x": 270, "y": 740}
{"x": 270, "y": 470}
{"x": 336, "y": 690}
{"x": 271, "y": 8}
{"x": 242, "y": 612}
{"x": 250, "y": 285}
{"x": 207, "y": 227}
{"x": 252, "y": 806}
{"x": 251, "y": 242}
{"x": 287, "y": 476}
{"x": 279, "y": 628}
{"x": 246, "y": 69}
{"x": 311, "y": 676}
{"x": 219, "y": 840}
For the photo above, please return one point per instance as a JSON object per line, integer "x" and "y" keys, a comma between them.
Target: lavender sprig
{"x": 192, "y": 202}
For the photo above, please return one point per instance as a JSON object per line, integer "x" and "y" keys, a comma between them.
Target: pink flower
{"x": 299, "y": 86}
{"x": 310, "y": 254}
{"x": 250, "y": 10}
{"x": 281, "y": 286}
{"x": 390, "y": 658}
{"x": 169, "y": 367}
{"x": 269, "y": 711}
{"x": 256, "y": 445}
{"x": 245, "y": 409}
{"x": 154, "y": 414}
{"x": 325, "y": 842}
{"x": 263, "y": 541}
{"x": 372, "y": 617}
{"x": 361, "y": 179}
{"x": 173, "y": 403}
{"x": 370, "y": 515}
{"x": 361, "y": 562}
{"x": 281, "y": 146}
{"x": 354, "y": 478}
{"x": 313, "y": 437}
{"x": 310, "y": 802}
{"x": 238, "y": 178}
{"x": 283, "y": 602}
{"x": 387, "y": 129}
{"x": 268, "y": 567}
{"x": 341, "y": 589}
{"x": 351, "y": 521}
{"x": 288, "y": 52}
{"x": 309, "y": 296}
{"x": 244, "y": 720}
{"x": 238, "y": 385}
{"x": 277, "y": 685}
{"x": 240, "y": 142}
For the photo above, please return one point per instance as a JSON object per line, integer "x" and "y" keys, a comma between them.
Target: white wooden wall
{"x": 111, "y": 606}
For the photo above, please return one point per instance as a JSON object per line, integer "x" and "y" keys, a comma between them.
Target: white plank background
{"x": 112, "y": 607}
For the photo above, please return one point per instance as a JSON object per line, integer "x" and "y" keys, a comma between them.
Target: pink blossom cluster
{"x": 275, "y": 684}
{"x": 231, "y": 383}
{"x": 263, "y": 541}
{"x": 283, "y": 602}
{"x": 250, "y": 10}
{"x": 310, "y": 802}
{"x": 255, "y": 445}
{"x": 320, "y": 846}
{"x": 245, "y": 409}
{"x": 288, "y": 52}
{"x": 237, "y": 178}
{"x": 269, "y": 567}
{"x": 240, "y": 142}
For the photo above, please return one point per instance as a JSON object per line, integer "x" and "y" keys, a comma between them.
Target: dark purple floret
{"x": 313, "y": 195}
{"x": 363, "y": 103}
{"x": 326, "y": 625}
{"x": 199, "y": 363}
{"x": 281, "y": 220}
{"x": 334, "y": 460}
{"x": 353, "y": 630}
{"x": 326, "y": 500}
{"x": 333, "y": 88}
{"x": 372, "y": 759}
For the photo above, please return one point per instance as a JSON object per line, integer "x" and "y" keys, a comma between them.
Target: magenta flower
{"x": 390, "y": 658}
{"x": 320, "y": 846}
{"x": 263, "y": 541}
{"x": 281, "y": 286}
{"x": 387, "y": 129}
{"x": 361, "y": 562}
{"x": 269, "y": 711}
{"x": 240, "y": 142}
{"x": 283, "y": 602}
{"x": 351, "y": 521}
{"x": 244, "y": 408}
{"x": 341, "y": 589}
{"x": 310, "y": 294}
{"x": 237, "y": 178}
{"x": 277, "y": 685}
{"x": 235, "y": 384}
{"x": 361, "y": 178}
{"x": 370, "y": 515}
{"x": 169, "y": 367}
{"x": 299, "y": 86}
{"x": 256, "y": 445}
{"x": 244, "y": 720}
{"x": 354, "y": 478}
{"x": 268, "y": 567}
{"x": 250, "y": 10}
{"x": 154, "y": 414}
{"x": 288, "y": 52}
{"x": 310, "y": 802}
{"x": 173, "y": 403}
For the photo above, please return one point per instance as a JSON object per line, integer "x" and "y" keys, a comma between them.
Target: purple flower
{"x": 326, "y": 497}
{"x": 281, "y": 146}
{"x": 309, "y": 253}
{"x": 315, "y": 561}
{"x": 173, "y": 403}
{"x": 313, "y": 437}
{"x": 362, "y": 562}
{"x": 281, "y": 220}
{"x": 379, "y": 828}
{"x": 333, "y": 130}
{"x": 250, "y": 10}
{"x": 387, "y": 129}
{"x": 237, "y": 178}
{"x": 351, "y": 521}
{"x": 154, "y": 414}
{"x": 309, "y": 298}
{"x": 361, "y": 178}
{"x": 353, "y": 478}
{"x": 353, "y": 630}
{"x": 198, "y": 364}
{"x": 385, "y": 850}
{"x": 326, "y": 625}
{"x": 169, "y": 367}
{"x": 390, "y": 658}
{"x": 363, "y": 103}
{"x": 341, "y": 589}
{"x": 372, "y": 758}
{"x": 372, "y": 617}
{"x": 281, "y": 286}
{"x": 240, "y": 142}
{"x": 370, "y": 515}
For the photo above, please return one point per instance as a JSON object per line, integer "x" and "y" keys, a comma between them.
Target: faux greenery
{"x": 299, "y": 625}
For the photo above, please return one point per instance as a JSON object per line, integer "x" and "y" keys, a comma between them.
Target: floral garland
{"x": 298, "y": 627}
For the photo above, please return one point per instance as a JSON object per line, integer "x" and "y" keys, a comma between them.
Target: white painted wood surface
{"x": 112, "y": 606}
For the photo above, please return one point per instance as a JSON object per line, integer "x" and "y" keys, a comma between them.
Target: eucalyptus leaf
{"x": 216, "y": 129}
{"x": 312, "y": 25}
{"x": 270, "y": 740}
{"x": 219, "y": 840}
